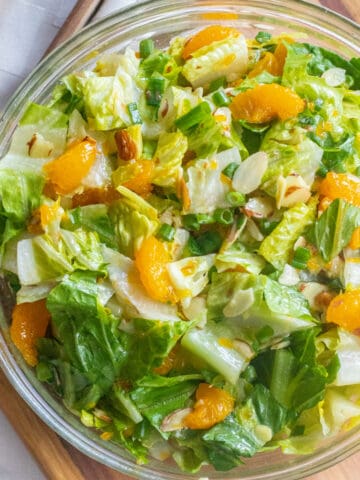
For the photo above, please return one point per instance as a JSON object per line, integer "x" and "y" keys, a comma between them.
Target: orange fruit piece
{"x": 280, "y": 54}
{"x": 264, "y": 103}
{"x": 140, "y": 183}
{"x": 151, "y": 261}
{"x": 29, "y": 323}
{"x": 212, "y": 406}
{"x": 341, "y": 185}
{"x": 66, "y": 172}
{"x": 344, "y": 310}
{"x": 267, "y": 63}
{"x": 93, "y": 196}
{"x": 355, "y": 239}
{"x": 207, "y": 36}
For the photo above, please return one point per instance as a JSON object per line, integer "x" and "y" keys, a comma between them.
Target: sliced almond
{"x": 248, "y": 176}
{"x": 175, "y": 420}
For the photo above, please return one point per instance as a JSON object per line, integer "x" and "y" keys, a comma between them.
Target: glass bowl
{"x": 162, "y": 20}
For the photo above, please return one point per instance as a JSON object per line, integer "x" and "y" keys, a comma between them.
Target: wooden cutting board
{"x": 60, "y": 461}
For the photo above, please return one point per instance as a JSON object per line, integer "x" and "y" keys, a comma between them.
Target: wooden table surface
{"x": 60, "y": 461}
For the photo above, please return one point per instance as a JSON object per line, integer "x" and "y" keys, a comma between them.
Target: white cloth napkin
{"x": 26, "y": 29}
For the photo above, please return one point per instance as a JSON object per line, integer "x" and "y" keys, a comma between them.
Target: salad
{"x": 181, "y": 231}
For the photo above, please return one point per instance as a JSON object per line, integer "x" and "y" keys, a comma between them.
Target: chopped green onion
{"x": 230, "y": 169}
{"x": 134, "y": 113}
{"x": 301, "y": 257}
{"x": 357, "y": 171}
{"x": 208, "y": 242}
{"x": 267, "y": 226}
{"x": 224, "y": 216}
{"x": 166, "y": 232}
{"x": 193, "y": 221}
{"x": 155, "y": 89}
{"x": 193, "y": 117}
{"x": 217, "y": 83}
{"x": 146, "y": 47}
{"x": 236, "y": 199}
{"x": 220, "y": 98}
{"x": 263, "y": 37}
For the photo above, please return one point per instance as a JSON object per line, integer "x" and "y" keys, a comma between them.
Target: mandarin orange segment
{"x": 344, "y": 310}
{"x": 341, "y": 185}
{"x": 140, "y": 183}
{"x": 355, "y": 239}
{"x": 212, "y": 406}
{"x": 66, "y": 172}
{"x": 268, "y": 63}
{"x": 264, "y": 103}
{"x": 29, "y": 323}
{"x": 151, "y": 261}
{"x": 280, "y": 54}
{"x": 50, "y": 213}
{"x": 93, "y": 196}
{"x": 213, "y": 33}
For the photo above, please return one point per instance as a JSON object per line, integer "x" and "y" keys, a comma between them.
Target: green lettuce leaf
{"x": 89, "y": 335}
{"x": 294, "y": 376}
{"x": 228, "y": 442}
{"x": 289, "y": 151}
{"x": 134, "y": 220}
{"x": 93, "y": 218}
{"x": 155, "y": 402}
{"x": 277, "y": 246}
{"x": 209, "y": 62}
{"x": 323, "y": 59}
{"x": 256, "y": 301}
{"x": 206, "y": 189}
{"x": 215, "y": 344}
{"x": 40, "y": 258}
{"x": 152, "y": 341}
{"x": 333, "y": 230}
{"x": 168, "y": 157}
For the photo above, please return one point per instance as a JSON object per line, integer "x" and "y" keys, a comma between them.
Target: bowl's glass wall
{"x": 162, "y": 20}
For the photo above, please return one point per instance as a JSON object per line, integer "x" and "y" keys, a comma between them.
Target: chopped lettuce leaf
{"x": 216, "y": 345}
{"x": 206, "y": 189}
{"x": 89, "y": 335}
{"x": 168, "y": 157}
{"x": 40, "y": 259}
{"x": 333, "y": 230}
{"x": 282, "y": 308}
{"x": 189, "y": 276}
{"x": 227, "y": 58}
{"x": 289, "y": 152}
{"x": 155, "y": 402}
{"x": 152, "y": 342}
{"x": 277, "y": 246}
{"x": 93, "y": 218}
{"x": 134, "y": 220}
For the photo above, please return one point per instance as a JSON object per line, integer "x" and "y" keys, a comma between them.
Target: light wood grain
{"x": 58, "y": 459}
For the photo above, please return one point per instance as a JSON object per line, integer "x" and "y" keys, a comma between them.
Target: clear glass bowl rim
{"x": 37, "y": 397}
